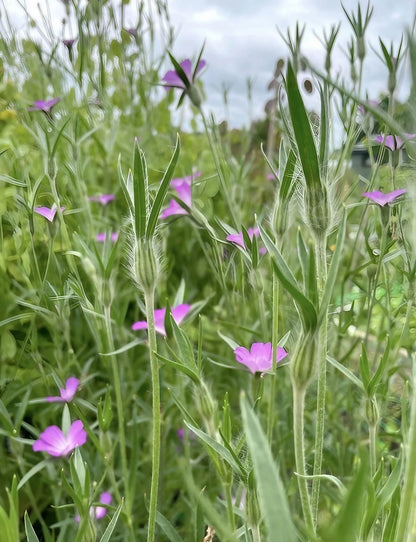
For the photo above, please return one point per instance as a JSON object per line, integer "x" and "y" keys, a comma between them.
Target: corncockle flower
{"x": 102, "y": 237}
{"x": 184, "y": 80}
{"x": 178, "y": 314}
{"x": 173, "y": 80}
{"x": 102, "y": 198}
{"x": 392, "y": 142}
{"x": 272, "y": 176}
{"x": 259, "y": 359}
{"x": 44, "y": 105}
{"x": 56, "y": 443}
{"x": 69, "y": 43}
{"x": 98, "y": 512}
{"x": 383, "y": 199}
{"x": 48, "y": 213}
{"x": 238, "y": 238}
{"x": 182, "y": 187}
{"x": 67, "y": 393}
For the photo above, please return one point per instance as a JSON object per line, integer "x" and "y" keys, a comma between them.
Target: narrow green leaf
{"x": 386, "y": 55}
{"x": 111, "y": 526}
{"x": 140, "y": 190}
{"x": 126, "y": 186}
{"x": 180, "y": 367}
{"x": 31, "y": 536}
{"x": 160, "y": 196}
{"x": 346, "y": 372}
{"x": 274, "y": 505}
{"x": 179, "y": 71}
{"x": 167, "y": 528}
{"x": 374, "y": 382}
{"x": 311, "y": 277}
{"x": 303, "y": 255}
{"x": 364, "y": 367}
{"x": 333, "y": 268}
{"x": 323, "y": 125}
{"x": 198, "y": 61}
{"x": 303, "y": 131}
{"x": 288, "y": 184}
{"x": 34, "y": 470}
{"x": 306, "y": 308}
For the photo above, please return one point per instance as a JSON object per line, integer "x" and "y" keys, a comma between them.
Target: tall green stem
{"x": 408, "y": 500}
{"x": 298, "y": 413}
{"x": 154, "y": 366}
{"x": 275, "y": 333}
{"x": 321, "y": 393}
{"x": 120, "y": 417}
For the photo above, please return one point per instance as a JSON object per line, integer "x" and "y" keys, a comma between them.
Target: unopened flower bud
{"x": 318, "y": 209}
{"x": 146, "y": 265}
{"x": 304, "y": 361}
{"x": 371, "y": 411}
{"x": 360, "y": 48}
{"x": 194, "y": 96}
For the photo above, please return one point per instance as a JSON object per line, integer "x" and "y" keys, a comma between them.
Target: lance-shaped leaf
{"x": 306, "y": 308}
{"x": 140, "y": 191}
{"x": 160, "y": 196}
{"x": 275, "y": 508}
{"x": 303, "y": 131}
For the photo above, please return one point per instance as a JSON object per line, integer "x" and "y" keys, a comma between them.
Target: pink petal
{"x": 381, "y": 198}
{"x": 52, "y": 440}
{"x": 77, "y": 436}
{"x": 187, "y": 68}
{"x": 102, "y": 237}
{"x": 236, "y": 238}
{"x": 172, "y": 79}
{"x": 139, "y": 325}
{"x": 179, "y": 312}
{"x": 280, "y": 354}
{"x": 261, "y": 356}
{"x": 173, "y": 209}
{"x": 70, "y": 389}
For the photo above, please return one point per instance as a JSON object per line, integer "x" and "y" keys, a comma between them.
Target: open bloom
{"x": 67, "y": 393}
{"x": 178, "y": 314}
{"x": 392, "y": 142}
{"x": 56, "y": 443}
{"x": 383, "y": 199}
{"x": 259, "y": 358}
{"x": 102, "y": 198}
{"x": 238, "y": 238}
{"x": 48, "y": 213}
{"x": 98, "y": 512}
{"x": 182, "y": 187}
{"x": 171, "y": 78}
{"x": 44, "y": 105}
{"x": 69, "y": 43}
{"x": 102, "y": 237}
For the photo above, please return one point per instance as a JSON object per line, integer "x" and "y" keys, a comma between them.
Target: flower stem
{"x": 275, "y": 333}
{"x": 298, "y": 412}
{"x": 120, "y": 417}
{"x": 321, "y": 393}
{"x": 154, "y": 366}
{"x": 408, "y": 500}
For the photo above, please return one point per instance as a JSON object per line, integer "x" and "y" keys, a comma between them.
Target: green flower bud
{"x": 194, "y": 96}
{"x": 371, "y": 411}
{"x": 318, "y": 209}
{"x": 304, "y": 361}
{"x": 360, "y": 48}
{"x": 146, "y": 265}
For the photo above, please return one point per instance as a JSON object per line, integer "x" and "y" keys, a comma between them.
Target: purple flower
{"x": 56, "y": 443}
{"x": 45, "y": 106}
{"x": 67, "y": 393}
{"x": 102, "y": 198}
{"x": 259, "y": 359}
{"x": 69, "y": 43}
{"x": 172, "y": 79}
{"x": 238, "y": 238}
{"x": 132, "y": 31}
{"x": 49, "y": 214}
{"x": 182, "y": 187}
{"x": 383, "y": 199}
{"x": 102, "y": 237}
{"x": 272, "y": 176}
{"x": 181, "y": 434}
{"x": 178, "y": 314}
{"x": 392, "y": 142}
{"x": 98, "y": 512}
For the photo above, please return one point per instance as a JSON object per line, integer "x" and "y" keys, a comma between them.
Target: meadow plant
{"x": 270, "y": 396}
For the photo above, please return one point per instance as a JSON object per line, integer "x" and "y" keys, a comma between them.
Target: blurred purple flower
{"x": 102, "y": 198}
{"x": 67, "y": 393}
{"x": 178, "y": 314}
{"x": 45, "y": 106}
{"x": 48, "y": 213}
{"x": 362, "y": 109}
{"x": 181, "y": 433}
{"x": 238, "y": 238}
{"x": 132, "y": 30}
{"x": 102, "y": 237}
{"x": 272, "y": 176}
{"x": 172, "y": 80}
{"x": 259, "y": 359}
{"x": 56, "y": 443}
{"x": 98, "y": 512}
{"x": 69, "y": 43}
{"x": 182, "y": 187}
{"x": 392, "y": 142}
{"x": 383, "y": 199}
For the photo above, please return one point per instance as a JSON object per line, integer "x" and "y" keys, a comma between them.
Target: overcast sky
{"x": 242, "y": 41}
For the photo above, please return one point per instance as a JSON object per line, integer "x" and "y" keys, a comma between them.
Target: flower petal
{"x": 77, "y": 435}
{"x": 179, "y": 312}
